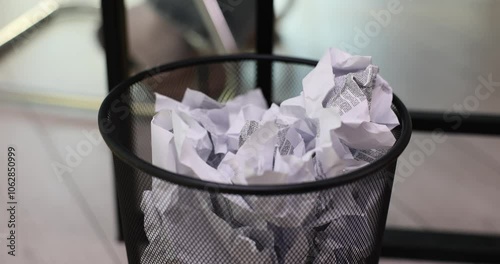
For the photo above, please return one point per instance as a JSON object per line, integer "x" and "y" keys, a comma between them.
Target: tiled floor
{"x": 67, "y": 219}
{"x": 456, "y": 188}
{"x": 71, "y": 219}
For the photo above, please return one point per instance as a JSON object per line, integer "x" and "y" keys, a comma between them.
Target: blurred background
{"x": 53, "y": 79}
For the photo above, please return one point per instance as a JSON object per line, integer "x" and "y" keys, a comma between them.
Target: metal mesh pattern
{"x": 345, "y": 223}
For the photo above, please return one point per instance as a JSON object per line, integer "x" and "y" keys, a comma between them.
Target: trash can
{"x": 349, "y": 212}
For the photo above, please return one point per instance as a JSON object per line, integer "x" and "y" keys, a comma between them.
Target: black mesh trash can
{"x": 348, "y": 215}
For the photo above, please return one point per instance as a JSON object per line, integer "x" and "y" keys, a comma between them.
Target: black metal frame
{"x": 455, "y": 123}
{"x": 115, "y": 45}
{"x": 441, "y": 246}
{"x": 397, "y": 243}
{"x": 264, "y": 45}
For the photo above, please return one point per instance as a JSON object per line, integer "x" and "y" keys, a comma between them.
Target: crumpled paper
{"x": 341, "y": 121}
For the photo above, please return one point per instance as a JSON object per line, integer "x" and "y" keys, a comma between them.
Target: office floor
{"x": 71, "y": 218}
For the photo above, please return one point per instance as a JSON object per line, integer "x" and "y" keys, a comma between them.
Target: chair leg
{"x": 115, "y": 45}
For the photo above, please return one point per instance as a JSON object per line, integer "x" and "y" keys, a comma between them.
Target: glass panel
{"x": 437, "y": 55}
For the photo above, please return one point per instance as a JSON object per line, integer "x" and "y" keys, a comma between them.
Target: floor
{"x": 68, "y": 215}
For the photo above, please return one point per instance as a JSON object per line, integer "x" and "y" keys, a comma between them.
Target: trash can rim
{"x": 299, "y": 188}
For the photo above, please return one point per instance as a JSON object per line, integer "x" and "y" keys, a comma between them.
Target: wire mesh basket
{"x": 348, "y": 215}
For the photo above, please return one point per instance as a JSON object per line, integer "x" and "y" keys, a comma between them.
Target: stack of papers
{"x": 341, "y": 121}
